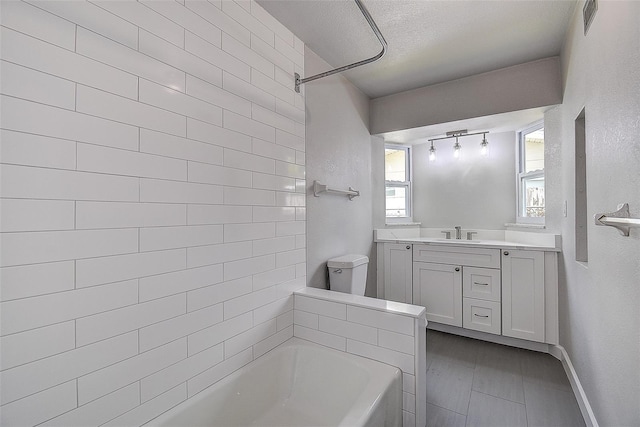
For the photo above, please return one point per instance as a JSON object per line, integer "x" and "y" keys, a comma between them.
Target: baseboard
{"x": 498, "y": 339}
{"x": 576, "y": 386}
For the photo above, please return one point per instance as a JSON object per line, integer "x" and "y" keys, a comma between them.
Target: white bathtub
{"x": 298, "y": 384}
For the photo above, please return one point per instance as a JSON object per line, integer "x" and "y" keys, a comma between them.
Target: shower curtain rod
{"x": 376, "y": 30}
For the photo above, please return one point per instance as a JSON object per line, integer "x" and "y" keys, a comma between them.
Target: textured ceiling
{"x": 429, "y": 41}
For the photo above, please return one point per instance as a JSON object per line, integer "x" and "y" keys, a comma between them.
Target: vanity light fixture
{"x": 456, "y": 149}
{"x": 484, "y": 146}
{"x": 432, "y": 152}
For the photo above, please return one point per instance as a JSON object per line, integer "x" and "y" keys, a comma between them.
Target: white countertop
{"x": 513, "y": 240}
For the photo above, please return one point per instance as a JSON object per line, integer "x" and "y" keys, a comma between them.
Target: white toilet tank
{"x": 348, "y": 274}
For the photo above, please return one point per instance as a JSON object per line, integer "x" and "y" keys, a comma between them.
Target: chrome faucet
{"x": 458, "y": 232}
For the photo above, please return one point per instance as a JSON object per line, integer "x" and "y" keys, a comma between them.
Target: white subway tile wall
{"x": 389, "y": 337}
{"x": 152, "y": 203}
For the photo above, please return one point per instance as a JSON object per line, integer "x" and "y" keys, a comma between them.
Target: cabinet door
{"x": 438, "y": 287}
{"x": 523, "y": 294}
{"x": 397, "y": 272}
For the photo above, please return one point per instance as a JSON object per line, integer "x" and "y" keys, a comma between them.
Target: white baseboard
{"x": 498, "y": 339}
{"x": 576, "y": 386}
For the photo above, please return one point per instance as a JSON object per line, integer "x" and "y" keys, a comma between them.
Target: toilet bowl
{"x": 348, "y": 274}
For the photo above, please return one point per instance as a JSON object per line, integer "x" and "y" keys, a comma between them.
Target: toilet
{"x": 348, "y": 274}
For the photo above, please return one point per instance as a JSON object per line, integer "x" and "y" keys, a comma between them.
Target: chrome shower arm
{"x": 376, "y": 30}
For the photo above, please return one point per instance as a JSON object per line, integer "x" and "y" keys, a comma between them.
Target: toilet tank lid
{"x": 347, "y": 261}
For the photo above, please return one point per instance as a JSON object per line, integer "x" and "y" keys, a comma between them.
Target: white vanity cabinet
{"x": 508, "y": 291}
{"x": 397, "y": 259}
{"x": 523, "y": 294}
{"x": 503, "y": 290}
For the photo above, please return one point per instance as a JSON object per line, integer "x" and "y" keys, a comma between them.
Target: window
{"x": 531, "y": 198}
{"x": 397, "y": 183}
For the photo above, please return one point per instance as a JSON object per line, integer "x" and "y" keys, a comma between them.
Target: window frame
{"x": 521, "y": 176}
{"x": 400, "y": 184}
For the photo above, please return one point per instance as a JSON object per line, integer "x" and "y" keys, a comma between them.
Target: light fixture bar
{"x": 457, "y": 132}
{"x": 459, "y": 136}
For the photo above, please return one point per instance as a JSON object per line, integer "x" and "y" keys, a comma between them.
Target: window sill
{"x": 525, "y": 225}
{"x": 402, "y": 224}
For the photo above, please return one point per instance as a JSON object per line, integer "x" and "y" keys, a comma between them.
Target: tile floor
{"x": 477, "y": 383}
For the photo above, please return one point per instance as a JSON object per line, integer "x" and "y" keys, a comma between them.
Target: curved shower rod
{"x": 376, "y": 30}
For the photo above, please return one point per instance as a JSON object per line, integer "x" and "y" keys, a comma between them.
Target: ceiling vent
{"x": 588, "y": 12}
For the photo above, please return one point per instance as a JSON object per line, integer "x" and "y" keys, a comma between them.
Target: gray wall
{"x": 473, "y": 191}
{"x": 524, "y": 86}
{"x": 600, "y": 300}
{"x": 339, "y": 155}
{"x": 377, "y": 180}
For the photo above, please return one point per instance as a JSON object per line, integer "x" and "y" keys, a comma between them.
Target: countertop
{"x": 536, "y": 243}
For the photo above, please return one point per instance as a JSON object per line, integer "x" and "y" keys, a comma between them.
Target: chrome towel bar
{"x": 619, "y": 219}
{"x": 322, "y": 188}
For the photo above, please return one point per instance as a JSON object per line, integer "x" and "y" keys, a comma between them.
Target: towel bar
{"x": 619, "y": 219}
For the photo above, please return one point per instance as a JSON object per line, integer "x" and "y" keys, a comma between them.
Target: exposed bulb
{"x": 456, "y": 150}
{"x": 484, "y": 147}
{"x": 432, "y": 153}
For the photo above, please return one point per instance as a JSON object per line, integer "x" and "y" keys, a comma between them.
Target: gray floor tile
{"x": 434, "y": 340}
{"x": 489, "y": 411}
{"x": 440, "y": 417}
{"x": 499, "y": 383}
{"x": 550, "y": 406}
{"x": 489, "y": 383}
{"x": 449, "y": 385}
{"x": 544, "y": 369}
{"x": 500, "y": 356}
{"x": 497, "y": 372}
{"x": 457, "y": 349}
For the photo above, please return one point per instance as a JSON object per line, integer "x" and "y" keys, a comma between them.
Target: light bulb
{"x": 432, "y": 153}
{"x": 484, "y": 146}
{"x": 456, "y": 150}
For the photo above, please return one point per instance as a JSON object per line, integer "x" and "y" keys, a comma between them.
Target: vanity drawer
{"x": 481, "y": 315}
{"x": 481, "y": 283}
{"x": 473, "y": 257}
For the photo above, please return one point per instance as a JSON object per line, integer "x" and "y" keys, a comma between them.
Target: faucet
{"x": 458, "y": 232}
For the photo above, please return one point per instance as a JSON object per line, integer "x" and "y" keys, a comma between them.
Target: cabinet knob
{"x": 506, "y": 252}
{"x": 408, "y": 247}
{"x": 457, "y": 269}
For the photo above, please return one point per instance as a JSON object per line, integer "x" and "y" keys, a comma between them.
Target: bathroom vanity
{"x": 505, "y": 285}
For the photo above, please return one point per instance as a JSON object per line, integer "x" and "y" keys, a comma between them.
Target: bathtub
{"x": 298, "y": 383}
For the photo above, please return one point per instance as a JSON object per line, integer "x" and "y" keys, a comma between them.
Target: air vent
{"x": 588, "y": 12}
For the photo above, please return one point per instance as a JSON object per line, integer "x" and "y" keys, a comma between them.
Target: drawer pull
{"x": 479, "y": 315}
{"x": 481, "y": 284}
